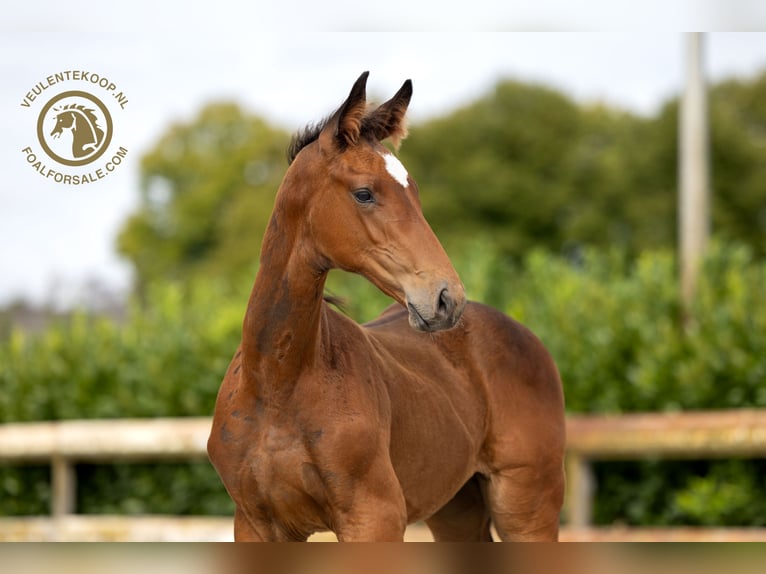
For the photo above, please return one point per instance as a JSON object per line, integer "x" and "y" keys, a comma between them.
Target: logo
{"x": 84, "y": 121}
{"x": 75, "y": 127}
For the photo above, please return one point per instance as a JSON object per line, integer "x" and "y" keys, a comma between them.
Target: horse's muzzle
{"x": 437, "y": 310}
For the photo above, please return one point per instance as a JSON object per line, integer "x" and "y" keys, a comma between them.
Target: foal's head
{"x": 361, "y": 211}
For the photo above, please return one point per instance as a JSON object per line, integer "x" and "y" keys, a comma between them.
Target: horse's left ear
{"x": 389, "y": 121}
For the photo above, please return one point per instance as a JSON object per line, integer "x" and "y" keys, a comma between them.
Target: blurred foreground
{"x": 382, "y": 559}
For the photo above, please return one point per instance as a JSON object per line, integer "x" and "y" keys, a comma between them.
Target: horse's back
{"x": 514, "y": 379}
{"x": 484, "y": 336}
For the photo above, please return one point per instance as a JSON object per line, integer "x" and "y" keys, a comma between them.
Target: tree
{"x": 207, "y": 189}
{"x": 494, "y": 167}
{"x": 738, "y": 142}
{"x": 528, "y": 167}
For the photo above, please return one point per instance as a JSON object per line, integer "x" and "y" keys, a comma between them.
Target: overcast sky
{"x": 170, "y": 58}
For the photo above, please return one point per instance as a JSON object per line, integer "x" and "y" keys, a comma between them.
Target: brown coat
{"x": 439, "y": 410}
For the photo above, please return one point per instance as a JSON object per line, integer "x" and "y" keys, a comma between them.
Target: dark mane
{"x": 304, "y": 137}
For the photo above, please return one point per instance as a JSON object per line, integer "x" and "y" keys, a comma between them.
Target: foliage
{"x": 207, "y": 189}
{"x": 738, "y": 140}
{"x": 613, "y": 324}
{"x": 527, "y": 167}
{"x": 167, "y": 359}
{"x": 692, "y": 493}
{"x": 481, "y": 167}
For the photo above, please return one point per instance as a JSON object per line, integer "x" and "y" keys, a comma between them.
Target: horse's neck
{"x": 280, "y": 337}
{"x": 83, "y": 130}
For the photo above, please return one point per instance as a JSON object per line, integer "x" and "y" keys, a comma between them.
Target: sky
{"x": 294, "y": 64}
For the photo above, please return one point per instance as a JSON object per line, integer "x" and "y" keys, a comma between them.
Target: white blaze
{"x": 395, "y": 168}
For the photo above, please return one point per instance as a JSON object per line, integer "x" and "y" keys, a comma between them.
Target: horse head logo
{"x": 87, "y": 135}
{"x": 82, "y": 115}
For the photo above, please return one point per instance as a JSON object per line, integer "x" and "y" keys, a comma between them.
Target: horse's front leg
{"x": 377, "y": 511}
{"x": 247, "y": 529}
{"x": 244, "y": 531}
{"x": 374, "y": 520}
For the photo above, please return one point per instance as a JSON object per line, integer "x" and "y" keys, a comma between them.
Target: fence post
{"x": 64, "y": 486}
{"x": 580, "y": 489}
{"x": 694, "y": 169}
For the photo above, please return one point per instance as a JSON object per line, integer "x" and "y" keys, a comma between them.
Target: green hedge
{"x": 166, "y": 359}
{"x": 620, "y": 338}
{"x": 613, "y": 324}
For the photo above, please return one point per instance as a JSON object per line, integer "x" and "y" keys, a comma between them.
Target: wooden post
{"x": 580, "y": 489}
{"x": 694, "y": 195}
{"x": 64, "y": 486}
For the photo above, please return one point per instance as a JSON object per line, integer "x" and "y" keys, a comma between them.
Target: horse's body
{"x": 438, "y": 410}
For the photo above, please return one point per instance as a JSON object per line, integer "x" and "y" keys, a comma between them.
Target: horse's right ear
{"x": 345, "y": 125}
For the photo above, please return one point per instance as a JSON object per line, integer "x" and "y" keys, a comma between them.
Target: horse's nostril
{"x": 444, "y": 305}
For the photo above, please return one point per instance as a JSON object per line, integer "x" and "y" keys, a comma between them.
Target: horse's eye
{"x": 364, "y": 195}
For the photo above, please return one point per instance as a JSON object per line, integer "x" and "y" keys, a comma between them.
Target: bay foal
{"x": 439, "y": 410}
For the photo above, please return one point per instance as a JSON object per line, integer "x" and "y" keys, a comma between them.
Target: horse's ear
{"x": 389, "y": 121}
{"x": 345, "y": 126}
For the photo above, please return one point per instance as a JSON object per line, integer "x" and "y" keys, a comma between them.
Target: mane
{"x": 304, "y": 137}
{"x": 89, "y": 113}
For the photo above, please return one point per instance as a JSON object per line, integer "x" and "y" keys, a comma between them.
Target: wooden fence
{"x": 673, "y": 436}
{"x": 700, "y": 435}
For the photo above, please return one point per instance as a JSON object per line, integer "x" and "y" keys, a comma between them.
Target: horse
{"x": 86, "y": 135}
{"x": 440, "y": 410}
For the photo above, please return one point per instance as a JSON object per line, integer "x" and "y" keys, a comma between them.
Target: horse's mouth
{"x": 56, "y": 134}
{"x": 416, "y": 319}
{"x": 440, "y": 322}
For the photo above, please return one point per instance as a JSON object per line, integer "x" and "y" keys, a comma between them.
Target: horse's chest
{"x": 280, "y": 484}
{"x": 272, "y": 460}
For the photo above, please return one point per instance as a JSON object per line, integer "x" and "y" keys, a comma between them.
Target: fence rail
{"x": 66, "y": 443}
{"x": 701, "y": 435}
{"x": 689, "y": 435}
